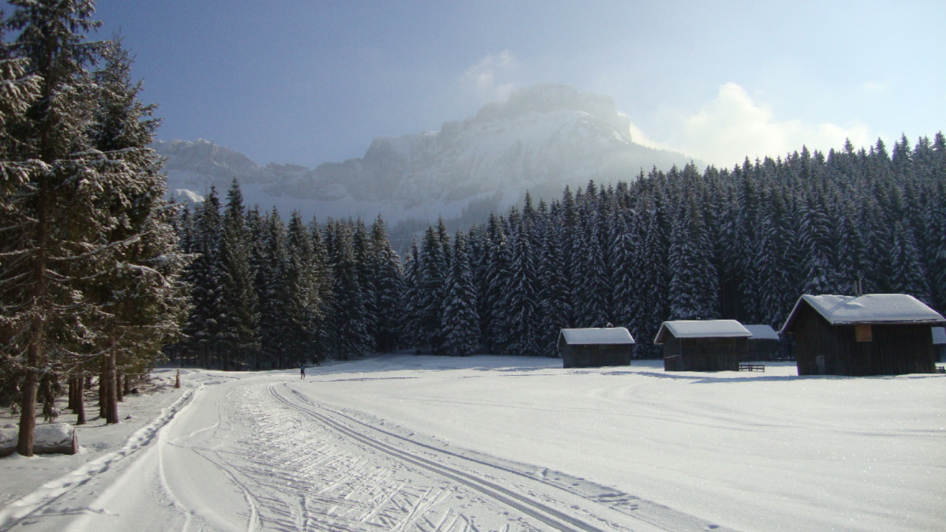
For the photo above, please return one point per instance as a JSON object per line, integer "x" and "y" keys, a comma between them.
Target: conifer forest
{"x": 742, "y": 243}
{"x": 102, "y": 277}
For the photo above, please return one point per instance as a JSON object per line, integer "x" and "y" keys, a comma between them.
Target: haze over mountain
{"x": 539, "y": 140}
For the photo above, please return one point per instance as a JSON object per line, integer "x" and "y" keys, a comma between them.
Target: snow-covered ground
{"x": 406, "y": 442}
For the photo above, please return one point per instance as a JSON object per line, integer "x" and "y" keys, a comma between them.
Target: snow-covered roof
{"x": 596, "y": 336}
{"x": 939, "y": 335}
{"x": 762, "y": 332}
{"x": 875, "y": 309}
{"x": 702, "y": 329}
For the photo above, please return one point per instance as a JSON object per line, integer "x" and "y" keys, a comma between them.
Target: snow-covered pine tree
{"x": 592, "y": 279}
{"x": 499, "y": 281}
{"x": 388, "y": 285}
{"x": 821, "y": 277}
{"x": 324, "y": 275}
{"x": 305, "y": 272}
{"x": 361, "y": 246}
{"x": 347, "y": 334}
{"x": 935, "y": 246}
{"x": 59, "y": 189}
{"x": 408, "y": 332}
{"x": 653, "y": 276}
{"x": 694, "y": 287}
{"x": 909, "y": 276}
{"x": 460, "y": 320}
{"x": 239, "y": 329}
{"x": 431, "y": 291}
{"x": 204, "y": 276}
{"x": 276, "y": 293}
{"x": 140, "y": 293}
{"x": 523, "y": 319}
{"x": 625, "y": 244}
{"x": 553, "y": 300}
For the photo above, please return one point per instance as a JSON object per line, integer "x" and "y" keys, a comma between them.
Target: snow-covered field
{"x": 406, "y": 442}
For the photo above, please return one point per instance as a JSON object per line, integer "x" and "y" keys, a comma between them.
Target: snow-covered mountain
{"x": 539, "y": 140}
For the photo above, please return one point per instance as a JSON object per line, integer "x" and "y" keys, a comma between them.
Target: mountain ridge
{"x": 539, "y": 140}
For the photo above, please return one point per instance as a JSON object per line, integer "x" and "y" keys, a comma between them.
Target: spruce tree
{"x": 306, "y": 287}
{"x": 275, "y": 294}
{"x": 385, "y": 266}
{"x": 74, "y": 173}
{"x": 460, "y": 320}
{"x": 239, "y": 327}
{"x": 523, "y": 311}
{"x": 347, "y": 335}
{"x": 204, "y": 275}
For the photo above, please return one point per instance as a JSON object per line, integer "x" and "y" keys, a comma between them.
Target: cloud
{"x": 733, "y": 127}
{"x": 492, "y": 77}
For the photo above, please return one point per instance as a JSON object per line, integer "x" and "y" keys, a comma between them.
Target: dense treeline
{"x": 270, "y": 295}
{"x": 89, "y": 259}
{"x": 741, "y": 243}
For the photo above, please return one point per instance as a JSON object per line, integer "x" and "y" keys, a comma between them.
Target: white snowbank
{"x": 744, "y": 451}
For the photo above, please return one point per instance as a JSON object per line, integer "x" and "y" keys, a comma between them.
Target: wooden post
{"x": 177, "y": 379}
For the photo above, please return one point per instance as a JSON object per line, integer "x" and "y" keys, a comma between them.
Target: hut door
{"x": 819, "y": 360}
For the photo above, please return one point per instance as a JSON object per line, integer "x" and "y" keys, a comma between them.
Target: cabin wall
{"x": 761, "y": 350}
{"x": 823, "y": 349}
{"x": 594, "y": 356}
{"x": 704, "y": 354}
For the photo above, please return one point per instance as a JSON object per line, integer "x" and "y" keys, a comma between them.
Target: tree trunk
{"x": 111, "y": 396}
{"x": 24, "y": 444}
{"x": 103, "y": 387}
{"x": 80, "y": 400}
{"x": 72, "y": 395}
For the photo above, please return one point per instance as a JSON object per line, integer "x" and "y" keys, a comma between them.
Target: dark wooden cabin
{"x": 763, "y": 344}
{"x": 596, "y": 347}
{"x": 939, "y": 344}
{"x": 872, "y": 334}
{"x": 707, "y": 345}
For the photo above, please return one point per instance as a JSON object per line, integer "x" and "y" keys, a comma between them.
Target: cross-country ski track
{"x": 248, "y": 453}
{"x": 439, "y": 444}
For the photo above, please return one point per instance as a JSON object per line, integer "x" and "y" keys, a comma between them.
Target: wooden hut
{"x": 939, "y": 344}
{"x": 707, "y": 345}
{"x": 873, "y": 334}
{"x": 596, "y": 347}
{"x": 763, "y": 344}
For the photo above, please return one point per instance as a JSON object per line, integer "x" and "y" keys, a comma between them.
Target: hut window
{"x": 863, "y": 333}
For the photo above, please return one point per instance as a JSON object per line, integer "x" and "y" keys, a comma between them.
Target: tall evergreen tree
{"x": 204, "y": 277}
{"x": 75, "y": 160}
{"x": 347, "y": 335}
{"x": 460, "y": 320}
{"x": 239, "y": 329}
{"x": 385, "y": 266}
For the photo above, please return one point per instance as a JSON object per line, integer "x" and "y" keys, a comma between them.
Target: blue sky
{"x": 310, "y": 81}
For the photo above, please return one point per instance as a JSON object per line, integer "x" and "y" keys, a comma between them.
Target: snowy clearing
{"x": 422, "y": 443}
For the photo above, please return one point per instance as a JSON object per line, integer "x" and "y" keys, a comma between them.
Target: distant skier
{"x": 303, "y": 371}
